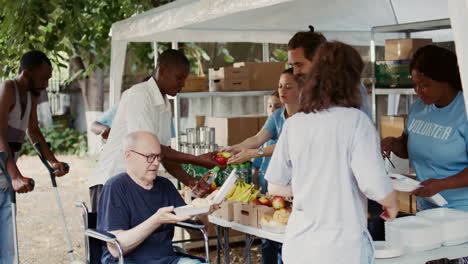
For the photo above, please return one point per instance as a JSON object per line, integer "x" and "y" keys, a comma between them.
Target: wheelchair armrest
{"x": 190, "y": 224}
{"x": 101, "y": 235}
{"x": 106, "y": 237}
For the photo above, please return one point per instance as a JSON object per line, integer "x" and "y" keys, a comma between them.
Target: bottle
{"x": 212, "y": 175}
{"x": 243, "y": 172}
{"x": 191, "y": 171}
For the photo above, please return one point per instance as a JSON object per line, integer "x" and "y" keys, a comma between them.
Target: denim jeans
{"x": 271, "y": 252}
{"x": 367, "y": 250}
{"x": 7, "y": 250}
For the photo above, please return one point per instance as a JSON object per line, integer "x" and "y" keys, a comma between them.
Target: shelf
{"x": 386, "y": 91}
{"x": 222, "y": 94}
{"x": 414, "y": 27}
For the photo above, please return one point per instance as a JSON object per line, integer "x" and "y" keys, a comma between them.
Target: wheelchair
{"x": 95, "y": 239}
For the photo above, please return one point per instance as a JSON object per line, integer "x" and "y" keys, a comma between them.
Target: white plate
{"x": 383, "y": 251}
{"x": 189, "y": 210}
{"x": 404, "y": 184}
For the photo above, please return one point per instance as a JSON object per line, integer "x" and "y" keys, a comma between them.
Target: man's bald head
{"x": 142, "y": 151}
{"x": 137, "y": 140}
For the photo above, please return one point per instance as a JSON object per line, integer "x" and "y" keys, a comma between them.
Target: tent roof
{"x": 273, "y": 21}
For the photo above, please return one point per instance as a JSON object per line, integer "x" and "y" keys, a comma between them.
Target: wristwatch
{"x": 260, "y": 152}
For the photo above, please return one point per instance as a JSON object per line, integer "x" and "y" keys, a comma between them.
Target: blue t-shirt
{"x": 124, "y": 205}
{"x": 108, "y": 116}
{"x": 437, "y": 146}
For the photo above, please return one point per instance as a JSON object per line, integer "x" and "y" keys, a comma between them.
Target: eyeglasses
{"x": 150, "y": 157}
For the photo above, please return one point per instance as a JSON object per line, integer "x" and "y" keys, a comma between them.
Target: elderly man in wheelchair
{"x": 135, "y": 216}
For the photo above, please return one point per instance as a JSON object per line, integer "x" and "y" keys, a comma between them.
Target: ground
{"x": 40, "y": 229}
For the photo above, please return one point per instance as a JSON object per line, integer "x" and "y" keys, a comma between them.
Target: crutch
{"x": 52, "y": 173}
{"x": 3, "y": 162}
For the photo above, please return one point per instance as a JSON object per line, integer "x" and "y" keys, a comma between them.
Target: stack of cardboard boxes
{"x": 246, "y": 76}
{"x": 394, "y": 71}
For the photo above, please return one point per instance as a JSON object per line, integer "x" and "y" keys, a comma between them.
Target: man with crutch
{"x": 19, "y": 98}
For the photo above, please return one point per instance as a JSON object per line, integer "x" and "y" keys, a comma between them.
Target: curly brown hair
{"x": 334, "y": 78}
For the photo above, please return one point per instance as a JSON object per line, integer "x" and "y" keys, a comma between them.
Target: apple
{"x": 278, "y": 202}
{"x": 264, "y": 201}
{"x": 221, "y": 160}
{"x": 227, "y": 155}
{"x": 255, "y": 202}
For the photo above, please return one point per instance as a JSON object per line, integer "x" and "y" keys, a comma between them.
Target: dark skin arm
{"x": 398, "y": 145}
{"x": 200, "y": 187}
{"x": 7, "y": 100}
{"x": 205, "y": 160}
{"x": 434, "y": 186}
{"x": 100, "y": 129}
{"x": 35, "y": 135}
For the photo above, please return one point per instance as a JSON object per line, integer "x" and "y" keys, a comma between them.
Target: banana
{"x": 239, "y": 190}
{"x": 231, "y": 192}
{"x": 254, "y": 195}
{"x": 242, "y": 197}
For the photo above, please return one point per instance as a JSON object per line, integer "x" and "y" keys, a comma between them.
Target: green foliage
{"x": 77, "y": 28}
{"x": 279, "y": 55}
{"x": 64, "y": 141}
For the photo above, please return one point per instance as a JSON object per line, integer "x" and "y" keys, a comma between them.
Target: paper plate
{"x": 383, "y": 251}
{"x": 189, "y": 210}
{"x": 404, "y": 184}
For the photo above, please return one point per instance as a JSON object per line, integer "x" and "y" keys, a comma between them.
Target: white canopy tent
{"x": 275, "y": 21}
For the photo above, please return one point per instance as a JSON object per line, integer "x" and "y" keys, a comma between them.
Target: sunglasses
{"x": 150, "y": 157}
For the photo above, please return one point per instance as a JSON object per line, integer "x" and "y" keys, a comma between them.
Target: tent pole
{"x": 155, "y": 53}
{"x": 265, "y": 52}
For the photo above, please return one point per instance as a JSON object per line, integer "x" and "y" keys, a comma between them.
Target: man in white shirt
{"x": 145, "y": 107}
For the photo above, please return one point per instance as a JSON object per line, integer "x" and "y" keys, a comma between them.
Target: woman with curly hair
{"x": 329, "y": 152}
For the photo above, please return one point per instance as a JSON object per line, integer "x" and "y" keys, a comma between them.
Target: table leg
{"x": 248, "y": 244}
{"x": 226, "y": 245}
{"x": 218, "y": 244}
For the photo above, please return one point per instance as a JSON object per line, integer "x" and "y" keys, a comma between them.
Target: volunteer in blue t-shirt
{"x": 261, "y": 163}
{"x": 435, "y": 138}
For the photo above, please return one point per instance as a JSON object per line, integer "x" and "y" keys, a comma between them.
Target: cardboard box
{"x": 225, "y": 211}
{"x": 393, "y": 74}
{"x": 195, "y": 84}
{"x": 227, "y": 73}
{"x": 403, "y": 49}
{"x": 392, "y": 126}
{"x": 229, "y": 85}
{"x": 233, "y": 130}
{"x": 250, "y": 215}
{"x": 406, "y": 202}
{"x": 262, "y": 75}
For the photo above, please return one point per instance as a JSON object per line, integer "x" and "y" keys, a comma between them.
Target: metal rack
{"x": 209, "y": 95}
{"x": 407, "y": 29}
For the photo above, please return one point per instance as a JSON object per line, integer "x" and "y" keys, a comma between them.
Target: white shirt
{"x": 142, "y": 108}
{"x": 332, "y": 160}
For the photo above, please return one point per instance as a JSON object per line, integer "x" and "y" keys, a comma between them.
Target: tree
{"x": 77, "y": 31}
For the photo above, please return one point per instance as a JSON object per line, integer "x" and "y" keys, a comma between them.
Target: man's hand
{"x": 105, "y": 132}
{"x": 243, "y": 156}
{"x": 59, "y": 167}
{"x": 429, "y": 188}
{"x": 207, "y": 160}
{"x": 200, "y": 188}
{"x": 165, "y": 216}
{"x": 22, "y": 184}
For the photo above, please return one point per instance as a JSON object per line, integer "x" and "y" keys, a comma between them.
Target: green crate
{"x": 393, "y": 74}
